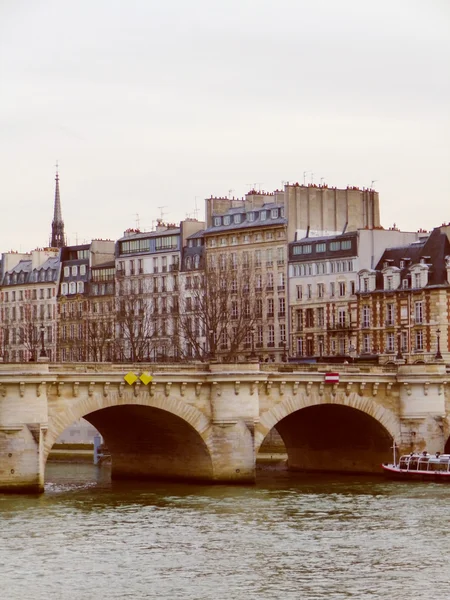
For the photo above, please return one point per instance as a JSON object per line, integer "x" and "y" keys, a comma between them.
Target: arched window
{"x": 72, "y": 287}
{"x": 80, "y": 287}
{"x": 66, "y": 271}
{"x": 197, "y": 261}
{"x": 188, "y": 263}
{"x": 64, "y": 289}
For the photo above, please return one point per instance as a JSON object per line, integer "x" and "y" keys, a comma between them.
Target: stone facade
{"x": 208, "y": 422}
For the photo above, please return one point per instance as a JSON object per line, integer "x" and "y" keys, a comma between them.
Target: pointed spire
{"x": 58, "y": 238}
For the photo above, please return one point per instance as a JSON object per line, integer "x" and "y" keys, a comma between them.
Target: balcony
{"x": 340, "y": 326}
{"x": 390, "y": 323}
{"x": 174, "y": 267}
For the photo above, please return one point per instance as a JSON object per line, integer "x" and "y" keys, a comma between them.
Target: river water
{"x": 290, "y": 536}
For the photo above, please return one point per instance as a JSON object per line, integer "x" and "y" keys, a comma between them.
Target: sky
{"x": 151, "y": 106}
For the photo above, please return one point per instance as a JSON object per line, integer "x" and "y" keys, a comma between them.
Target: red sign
{"x": 331, "y": 377}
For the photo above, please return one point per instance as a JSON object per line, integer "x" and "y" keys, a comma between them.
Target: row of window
{"x": 252, "y": 216}
{"x": 390, "y": 313}
{"x": 315, "y": 347}
{"x": 30, "y": 336}
{"x": 320, "y": 247}
{"x": 74, "y": 270}
{"x": 246, "y": 238}
{"x": 244, "y": 259}
{"x": 335, "y": 289}
{"x": 154, "y": 244}
{"x": 29, "y": 294}
{"x": 391, "y": 282}
{"x": 34, "y": 276}
{"x": 27, "y": 312}
{"x": 321, "y": 268}
{"x": 74, "y": 287}
{"x": 160, "y": 264}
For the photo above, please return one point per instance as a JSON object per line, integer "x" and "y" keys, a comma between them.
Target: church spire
{"x": 58, "y": 238}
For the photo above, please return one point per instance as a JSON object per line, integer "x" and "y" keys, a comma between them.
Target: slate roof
{"x": 435, "y": 248}
{"x": 246, "y": 223}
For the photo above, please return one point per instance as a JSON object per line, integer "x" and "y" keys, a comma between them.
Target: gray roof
{"x": 139, "y": 235}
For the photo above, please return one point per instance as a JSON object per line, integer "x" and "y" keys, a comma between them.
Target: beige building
{"x": 323, "y": 286}
{"x": 147, "y": 291}
{"x": 86, "y": 302}
{"x": 403, "y": 302}
{"x": 28, "y": 305}
{"x": 246, "y": 263}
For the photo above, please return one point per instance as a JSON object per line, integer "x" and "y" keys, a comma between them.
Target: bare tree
{"x": 218, "y": 312}
{"x": 136, "y": 327}
{"x": 99, "y": 336}
{"x": 29, "y": 333}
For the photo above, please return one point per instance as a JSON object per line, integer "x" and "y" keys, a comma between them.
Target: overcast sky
{"x": 149, "y": 104}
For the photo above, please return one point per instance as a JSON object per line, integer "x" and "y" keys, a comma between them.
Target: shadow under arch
{"x": 351, "y": 435}
{"x": 148, "y": 438}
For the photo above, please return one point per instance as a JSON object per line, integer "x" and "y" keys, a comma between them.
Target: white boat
{"x": 420, "y": 466}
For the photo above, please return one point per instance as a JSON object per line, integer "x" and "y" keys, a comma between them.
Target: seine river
{"x": 290, "y": 536}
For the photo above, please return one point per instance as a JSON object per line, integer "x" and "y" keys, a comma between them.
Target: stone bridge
{"x": 207, "y": 422}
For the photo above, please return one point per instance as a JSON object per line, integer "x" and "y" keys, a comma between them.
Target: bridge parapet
{"x": 232, "y": 407}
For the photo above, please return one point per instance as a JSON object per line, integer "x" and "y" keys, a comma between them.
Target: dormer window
{"x": 402, "y": 264}
{"x": 237, "y": 218}
{"x": 66, "y": 271}
{"x": 263, "y": 215}
{"x": 389, "y": 282}
{"x": 227, "y": 220}
{"x": 217, "y": 221}
{"x": 365, "y": 284}
{"x": 417, "y": 280}
{"x": 405, "y": 284}
{"x": 251, "y": 216}
{"x": 274, "y": 213}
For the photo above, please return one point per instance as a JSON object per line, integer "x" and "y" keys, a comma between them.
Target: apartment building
{"x": 147, "y": 291}
{"x": 246, "y": 270}
{"x": 323, "y": 286}
{"x": 80, "y": 335}
{"x": 403, "y": 303}
{"x": 28, "y": 305}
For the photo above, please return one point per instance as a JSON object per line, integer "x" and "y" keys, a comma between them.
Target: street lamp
{"x": 252, "y": 331}
{"x": 320, "y": 349}
{"x": 399, "y": 346}
{"x": 438, "y": 355}
{"x": 211, "y": 339}
{"x": 284, "y": 356}
{"x": 42, "y": 354}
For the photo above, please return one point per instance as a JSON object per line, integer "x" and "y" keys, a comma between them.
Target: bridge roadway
{"x": 207, "y": 422}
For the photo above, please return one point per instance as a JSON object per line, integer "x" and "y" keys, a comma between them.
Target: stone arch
{"x": 288, "y": 406}
{"x": 77, "y": 408}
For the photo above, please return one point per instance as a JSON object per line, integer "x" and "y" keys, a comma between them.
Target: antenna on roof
{"x": 162, "y": 212}
{"x": 372, "y": 182}
{"x": 138, "y": 221}
{"x": 195, "y": 208}
{"x": 305, "y": 173}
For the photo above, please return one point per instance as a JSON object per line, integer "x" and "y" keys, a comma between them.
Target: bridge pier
{"x": 207, "y": 422}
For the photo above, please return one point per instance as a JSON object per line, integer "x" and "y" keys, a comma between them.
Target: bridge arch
{"x": 148, "y": 436}
{"x": 304, "y": 421}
